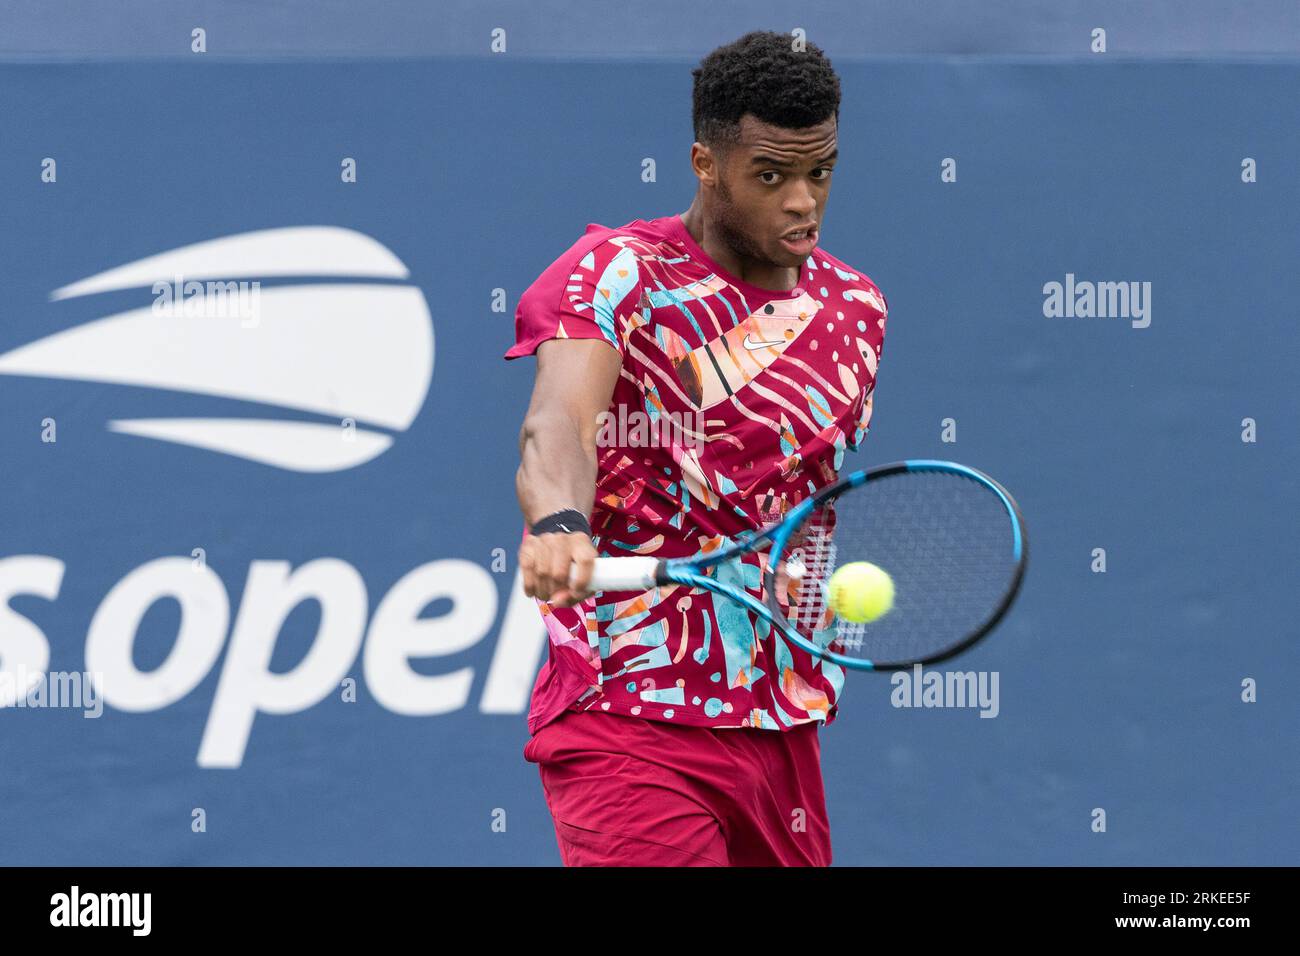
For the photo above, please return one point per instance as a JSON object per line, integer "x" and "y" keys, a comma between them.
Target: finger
{"x": 547, "y": 582}
{"x": 527, "y": 566}
{"x": 557, "y": 564}
{"x": 584, "y": 563}
{"x": 538, "y": 570}
{"x": 545, "y": 586}
{"x": 525, "y": 569}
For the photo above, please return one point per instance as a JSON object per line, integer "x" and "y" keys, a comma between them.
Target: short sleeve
{"x": 595, "y": 295}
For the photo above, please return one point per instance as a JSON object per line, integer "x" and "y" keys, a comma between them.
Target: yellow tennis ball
{"x": 861, "y": 592}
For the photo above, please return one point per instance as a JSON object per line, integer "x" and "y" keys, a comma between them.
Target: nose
{"x": 801, "y": 203}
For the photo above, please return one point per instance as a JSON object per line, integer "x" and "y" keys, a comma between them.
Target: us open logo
{"x": 356, "y": 354}
{"x": 340, "y": 337}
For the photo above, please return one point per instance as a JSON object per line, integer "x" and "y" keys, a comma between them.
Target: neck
{"x": 765, "y": 275}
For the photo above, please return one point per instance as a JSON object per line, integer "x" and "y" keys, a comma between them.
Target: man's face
{"x": 774, "y": 180}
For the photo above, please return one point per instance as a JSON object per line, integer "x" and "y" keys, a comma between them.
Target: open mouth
{"x": 800, "y": 243}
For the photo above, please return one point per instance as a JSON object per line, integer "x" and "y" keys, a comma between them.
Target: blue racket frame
{"x": 692, "y": 573}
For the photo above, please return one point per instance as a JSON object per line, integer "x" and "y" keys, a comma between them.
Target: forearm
{"x": 557, "y": 467}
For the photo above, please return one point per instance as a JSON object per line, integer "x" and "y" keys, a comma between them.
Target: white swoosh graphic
{"x": 295, "y": 446}
{"x": 291, "y": 251}
{"x": 347, "y": 351}
{"x": 754, "y": 345}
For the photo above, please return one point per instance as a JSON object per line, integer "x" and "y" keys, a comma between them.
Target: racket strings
{"x": 944, "y": 539}
{"x": 817, "y": 554}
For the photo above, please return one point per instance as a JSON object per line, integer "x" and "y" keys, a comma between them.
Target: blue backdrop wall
{"x": 1120, "y": 690}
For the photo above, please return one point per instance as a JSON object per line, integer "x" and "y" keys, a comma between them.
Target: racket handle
{"x": 623, "y": 574}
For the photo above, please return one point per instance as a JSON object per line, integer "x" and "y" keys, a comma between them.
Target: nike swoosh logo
{"x": 753, "y": 344}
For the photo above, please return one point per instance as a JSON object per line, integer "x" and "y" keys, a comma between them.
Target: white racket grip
{"x": 623, "y": 574}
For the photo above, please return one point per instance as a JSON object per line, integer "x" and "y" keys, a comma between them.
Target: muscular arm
{"x": 557, "y": 451}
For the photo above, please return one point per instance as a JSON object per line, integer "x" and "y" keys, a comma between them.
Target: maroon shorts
{"x": 627, "y": 791}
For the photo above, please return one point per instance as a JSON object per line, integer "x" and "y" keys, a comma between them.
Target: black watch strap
{"x": 568, "y": 521}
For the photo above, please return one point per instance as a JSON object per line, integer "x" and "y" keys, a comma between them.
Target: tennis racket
{"x": 951, "y": 538}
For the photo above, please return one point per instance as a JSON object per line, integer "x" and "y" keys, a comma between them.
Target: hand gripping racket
{"x": 951, "y": 538}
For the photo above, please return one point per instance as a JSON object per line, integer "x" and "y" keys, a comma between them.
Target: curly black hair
{"x": 762, "y": 74}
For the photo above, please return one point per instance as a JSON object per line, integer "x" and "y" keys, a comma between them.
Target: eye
{"x": 824, "y": 169}
{"x": 769, "y": 182}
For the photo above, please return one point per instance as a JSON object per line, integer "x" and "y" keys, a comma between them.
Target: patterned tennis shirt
{"x": 733, "y": 404}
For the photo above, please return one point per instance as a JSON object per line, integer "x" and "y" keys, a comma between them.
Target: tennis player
{"x": 697, "y": 376}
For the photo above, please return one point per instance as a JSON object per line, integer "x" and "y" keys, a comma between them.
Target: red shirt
{"x": 733, "y": 404}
